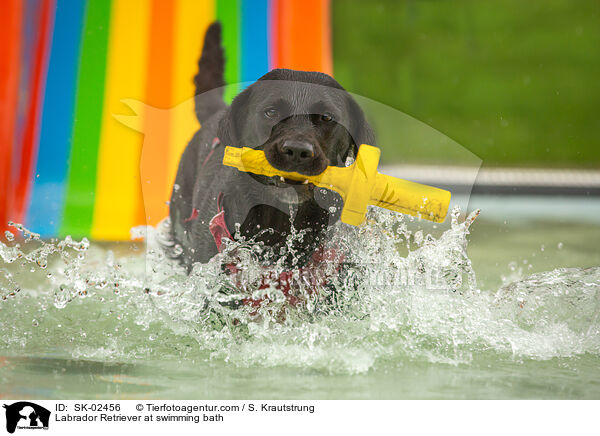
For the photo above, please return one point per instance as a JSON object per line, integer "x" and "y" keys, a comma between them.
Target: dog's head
{"x": 304, "y": 122}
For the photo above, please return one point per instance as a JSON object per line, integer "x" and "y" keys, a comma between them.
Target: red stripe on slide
{"x": 31, "y": 128}
{"x": 10, "y": 35}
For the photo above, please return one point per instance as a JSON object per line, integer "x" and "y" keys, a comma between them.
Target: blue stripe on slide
{"x": 255, "y": 44}
{"x": 48, "y": 194}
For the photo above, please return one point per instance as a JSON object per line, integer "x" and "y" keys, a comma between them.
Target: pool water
{"x": 508, "y": 307}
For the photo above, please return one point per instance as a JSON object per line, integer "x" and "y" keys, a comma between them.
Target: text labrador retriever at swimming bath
{"x": 304, "y": 121}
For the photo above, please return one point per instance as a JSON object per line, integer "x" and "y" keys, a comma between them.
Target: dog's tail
{"x": 211, "y": 67}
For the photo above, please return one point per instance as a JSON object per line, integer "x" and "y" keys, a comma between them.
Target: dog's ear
{"x": 359, "y": 128}
{"x": 232, "y": 124}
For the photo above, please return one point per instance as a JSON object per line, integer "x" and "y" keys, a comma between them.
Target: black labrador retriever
{"x": 304, "y": 121}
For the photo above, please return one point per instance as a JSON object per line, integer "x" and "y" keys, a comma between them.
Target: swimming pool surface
{"x": 517, "y": 317}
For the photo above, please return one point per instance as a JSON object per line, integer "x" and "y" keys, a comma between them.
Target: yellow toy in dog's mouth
{"x": 359, "y": 185}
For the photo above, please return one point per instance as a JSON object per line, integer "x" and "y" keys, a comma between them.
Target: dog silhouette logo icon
{"x": 26, "y": 415}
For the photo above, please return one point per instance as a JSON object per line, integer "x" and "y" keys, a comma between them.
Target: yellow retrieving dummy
{"x": 359, "y": 185}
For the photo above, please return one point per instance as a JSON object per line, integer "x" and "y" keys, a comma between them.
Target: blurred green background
{"x": 515, "y": 82}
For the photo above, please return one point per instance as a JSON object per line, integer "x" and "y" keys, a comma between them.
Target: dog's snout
{"x": 298, "y": 151}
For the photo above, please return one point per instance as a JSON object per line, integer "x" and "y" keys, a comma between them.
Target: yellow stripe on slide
{"x": 118, "y": 191}
{"x": 192, "y": 17}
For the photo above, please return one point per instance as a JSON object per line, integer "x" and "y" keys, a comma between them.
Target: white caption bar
{"x": 296, "y": 417}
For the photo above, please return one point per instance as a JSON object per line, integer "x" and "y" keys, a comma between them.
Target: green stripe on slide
{"x": 228, "y": 13}
{"x": 81, "y": 186}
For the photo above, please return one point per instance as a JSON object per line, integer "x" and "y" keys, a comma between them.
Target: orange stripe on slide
{"x": 157, "y": 123}
{"x": 302, "y": 31}
{"x": 166, "y": 115}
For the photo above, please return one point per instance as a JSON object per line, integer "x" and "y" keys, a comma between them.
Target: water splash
{"x": 399, "y": 293}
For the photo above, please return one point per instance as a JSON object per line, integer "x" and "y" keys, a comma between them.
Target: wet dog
{"x": 304, "y": 121}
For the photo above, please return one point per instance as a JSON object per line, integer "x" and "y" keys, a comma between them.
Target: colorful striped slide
{"x": 73, "y": 71}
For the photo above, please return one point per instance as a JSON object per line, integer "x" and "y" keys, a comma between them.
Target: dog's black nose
{"x": 298, "y": 151}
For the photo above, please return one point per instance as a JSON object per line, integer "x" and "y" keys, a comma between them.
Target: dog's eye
{"x": 327, "y": 117}
{"x": 271, "y": 112}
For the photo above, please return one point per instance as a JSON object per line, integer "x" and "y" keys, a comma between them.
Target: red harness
{"x": 314, "y": 274}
